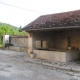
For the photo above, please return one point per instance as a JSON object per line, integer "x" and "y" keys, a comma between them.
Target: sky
{"x": 28, "y": 10}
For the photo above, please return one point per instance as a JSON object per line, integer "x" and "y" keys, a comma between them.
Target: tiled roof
{"x": 65, "y": 19}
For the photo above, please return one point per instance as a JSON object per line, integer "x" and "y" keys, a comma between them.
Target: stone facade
{"x": 47, "y": 42}
{"x": 58, "y": 39}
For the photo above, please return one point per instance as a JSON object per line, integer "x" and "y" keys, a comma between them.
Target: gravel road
{"x": 14, "y": 66}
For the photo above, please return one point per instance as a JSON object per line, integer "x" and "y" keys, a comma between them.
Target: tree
{"x": 20, "y": 27}
{"x": 10, "y": 30}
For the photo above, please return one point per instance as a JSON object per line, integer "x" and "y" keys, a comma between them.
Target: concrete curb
{"x": 53, "y": 65}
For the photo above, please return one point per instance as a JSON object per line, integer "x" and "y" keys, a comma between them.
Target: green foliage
{"x": 10, "y": 30}
{"x": 0, "y": 45}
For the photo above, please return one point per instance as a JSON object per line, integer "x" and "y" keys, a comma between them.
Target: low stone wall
{"x": 72, "y": 55}
{"x": 18, "y": 43}
{"x": 17, "y": 48}
{"x": 19, "y": 40}
{"x": 62, "y": 56}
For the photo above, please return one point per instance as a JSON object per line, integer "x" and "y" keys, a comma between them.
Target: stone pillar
{"x": 5, "y": 40}
{"x": 30, "y": 43}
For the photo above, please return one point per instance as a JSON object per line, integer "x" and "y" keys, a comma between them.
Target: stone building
{"x": 55, "y": 36}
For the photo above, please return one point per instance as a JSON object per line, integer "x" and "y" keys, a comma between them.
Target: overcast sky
{"x": 33, "y": 9}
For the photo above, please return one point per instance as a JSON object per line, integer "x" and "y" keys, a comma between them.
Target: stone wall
{"x": 19, "y": 40}
{"x": 18, "y": 43}
{"x": 56, "y": 44}
{"x": 58, "y": 39}
{"x": 62, "y": 56}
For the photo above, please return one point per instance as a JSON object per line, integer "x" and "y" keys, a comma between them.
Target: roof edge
{"x": 55, "y": 28}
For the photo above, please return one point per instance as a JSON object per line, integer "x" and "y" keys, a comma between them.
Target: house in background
{"x": 55, "y": 37}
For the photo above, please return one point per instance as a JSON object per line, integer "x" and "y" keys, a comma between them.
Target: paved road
{"x": 14, "y": 66}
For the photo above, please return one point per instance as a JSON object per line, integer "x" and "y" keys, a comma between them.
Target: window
{"x": 41, "y": 44}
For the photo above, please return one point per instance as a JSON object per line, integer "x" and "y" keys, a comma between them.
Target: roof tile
{"x": 65, "y": 19}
